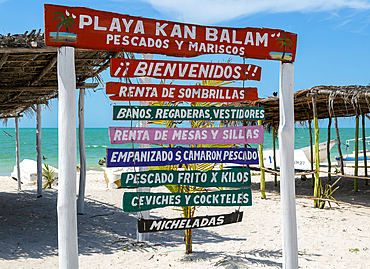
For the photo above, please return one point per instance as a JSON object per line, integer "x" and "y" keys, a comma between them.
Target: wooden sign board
{"x": 235, "y": 177}
{"x": 187, "y": 136}
{"x": 99, "y": 30}
{"x": 189, "y": 93}
{"x": 149, "y": 226}
{"x": 183, "y": 70}
{"x": 174, "y": 156}
{"x": 187, "y": 113}
{"x": 142, "y": 201}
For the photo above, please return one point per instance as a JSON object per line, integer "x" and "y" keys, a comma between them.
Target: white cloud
{"x": 214, "y": 11}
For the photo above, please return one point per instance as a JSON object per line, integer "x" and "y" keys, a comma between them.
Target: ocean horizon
{"x": 97, "y": 141}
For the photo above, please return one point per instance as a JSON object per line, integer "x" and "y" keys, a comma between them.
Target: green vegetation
{"x": 327, "y": 193}
{"x": 49, "y": 174}
{"x": 189, "y": 211}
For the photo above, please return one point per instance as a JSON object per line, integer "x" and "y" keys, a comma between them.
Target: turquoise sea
{"x": 97, "y": 141}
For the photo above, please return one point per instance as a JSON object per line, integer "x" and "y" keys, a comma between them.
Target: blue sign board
{"x": 174, "y": 156}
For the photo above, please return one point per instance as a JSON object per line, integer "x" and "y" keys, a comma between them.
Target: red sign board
{"x": 192, "y": 93}
{"x": 183, "y": 70}
{"x": 92, "y": 29}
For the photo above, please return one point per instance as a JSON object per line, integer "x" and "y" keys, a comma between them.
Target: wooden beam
{"x": 105, "y": 65}
{"x": 317, "y": 157}
{"x": 274, "y": 150}
{"x": 328, "y": 149}
{"x": 46, "y": 60}
{"x": 34, "y": 50}
{"x": 29, "y": 89}
{"x": 28, "y": 50}
{"x": 84, "y": 85}
{"x": 263, "y": 175}
{"x": 365, "y": 89}
{"x": 11, "y": 116}
{"x": 45, "y": 70}
{"x": 5, "y": 103}
{"x": 38, "y": 151}
{"x": 47, "y": 88}
{"x": 17, "y": 104}
{"x": 3, "y": 59}
{"x": 364, "y": 147}
{"x": 356, "y": 152}
{"x": 17, "y": 153}
{"x": 81, "y": 140}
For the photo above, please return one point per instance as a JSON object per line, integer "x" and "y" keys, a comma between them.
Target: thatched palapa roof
{"x": 28, "y": 71}
{"x": 331, "y": 101}
{"x": 28, "y": 76}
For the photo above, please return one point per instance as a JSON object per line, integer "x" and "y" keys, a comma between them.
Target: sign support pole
{"x": 144, "y": 214}
{"x": 287, "y": 184}
{"x": 66, "y": 207}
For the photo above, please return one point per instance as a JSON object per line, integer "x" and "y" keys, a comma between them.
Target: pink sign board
{"x": 187, "y": 136}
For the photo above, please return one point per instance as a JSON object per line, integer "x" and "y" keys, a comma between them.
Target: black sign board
{"x": 148, "y": 226}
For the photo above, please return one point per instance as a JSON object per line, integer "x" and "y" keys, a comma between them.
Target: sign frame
{"x": 234, "y": 177}
{"x": 181, "y": 113}
{"x": 189, "y": 93}
{"x": 117, "y": 32}
{"x": 174, "y": 156}
{"x": 185, "y": 136}
{"x": 141, "y": 201}
{"x": 162, "y": 69}
{"x": 146, "y": 226}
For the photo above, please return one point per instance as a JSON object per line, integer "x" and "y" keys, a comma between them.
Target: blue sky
{"x": 333, "y": 40}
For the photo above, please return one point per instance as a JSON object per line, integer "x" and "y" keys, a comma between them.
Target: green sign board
{"x": 187, "y": 113}
{"x": 141, "y": 201}
{"x": 235, "y": 177}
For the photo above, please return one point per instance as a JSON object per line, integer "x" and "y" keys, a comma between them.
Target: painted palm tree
{"x": 189, "y": 211}
{"x": 67, "y": 20}
{"x": 285, "y": 43}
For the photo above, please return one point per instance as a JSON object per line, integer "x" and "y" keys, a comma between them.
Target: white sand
{"x": 338, "y": 238}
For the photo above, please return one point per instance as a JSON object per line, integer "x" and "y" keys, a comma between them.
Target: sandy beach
{"x": 328, "y": 238}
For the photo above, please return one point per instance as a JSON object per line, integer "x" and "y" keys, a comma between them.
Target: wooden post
{"x": 339, "y": 149}
{"x": 311, "y": 149}
{"x": 38, "y": 149}
{"x": 317, "y": 156}
{"x": 81, "y": 141}
{"x": 328, "y": 150}
{"x": 274, "y": 150}
{"x": 287, "y": 181}
{"x": 188, "y": 232}
{"x": 17, "y": 150}
{"x": 356, "y": 153}
{"x": 144, "y": 214}
{"x": 67, "y": 213}
{"x": 263, "y": 177}
{"x": 364, "y": 147}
